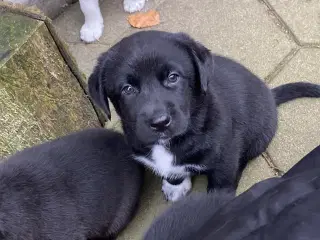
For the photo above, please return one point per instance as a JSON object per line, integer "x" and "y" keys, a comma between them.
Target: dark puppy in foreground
{"x": 186, "y": 219}
{"x": 81, "y": 186}
{"x": 185, "y": 111}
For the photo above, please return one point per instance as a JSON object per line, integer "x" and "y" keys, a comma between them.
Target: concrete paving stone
{"x": 303, "y": 17}
{"x": 69, "y": 22}
{"x": 256, "y": 171}
{"x": 152, "y": 204}
{"x": 242, "y": 30}
{"x": 86, "y": 55}
{"x": 299, "y": 121}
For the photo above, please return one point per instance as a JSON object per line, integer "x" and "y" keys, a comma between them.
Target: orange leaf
{"x": 143, "y": 20}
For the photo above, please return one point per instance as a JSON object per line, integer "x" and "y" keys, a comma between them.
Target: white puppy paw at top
{"x": 91, "y": 32}
{"x": 133, "y": 5}
{"x": 93, "y": 26}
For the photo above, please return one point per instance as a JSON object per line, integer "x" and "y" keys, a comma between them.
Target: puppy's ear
{"x": 202, "y": 57}
{"x": 97, "y": 92}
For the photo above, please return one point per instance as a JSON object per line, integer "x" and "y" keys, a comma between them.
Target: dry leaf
{"x": 143, "y": 20}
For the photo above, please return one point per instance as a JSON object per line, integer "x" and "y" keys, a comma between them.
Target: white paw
{"x": 133, "y": 5}
{"x": 91, "y": 32}
{"x": 175, "y": 192}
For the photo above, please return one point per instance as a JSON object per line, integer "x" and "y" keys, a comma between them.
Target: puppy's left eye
{"x": 173, "y": 77}
{"x": 128, "y": 90}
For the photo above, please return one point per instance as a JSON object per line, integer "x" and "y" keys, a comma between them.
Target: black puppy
{"x": 187, "y": 218}
{"x": 78, "y": 187}
{"x": 186, "y": 111}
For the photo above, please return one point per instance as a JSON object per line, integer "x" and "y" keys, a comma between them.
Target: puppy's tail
{"x": 290, "y": 91}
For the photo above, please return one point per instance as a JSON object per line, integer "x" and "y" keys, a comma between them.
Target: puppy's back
{"x": 185, "y": 217}
{"x": 69, "y": 188}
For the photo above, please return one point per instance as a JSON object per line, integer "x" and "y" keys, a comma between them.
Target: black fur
{"x": 222, "y": 114}
{"x": 184, "y": 219}
{"x": 292, "y": 91}
{"x": 80, "y": 186}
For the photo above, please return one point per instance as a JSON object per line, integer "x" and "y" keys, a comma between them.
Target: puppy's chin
{"x": 165, "y": 141}
{"x": 141, "y": 137}
{"x": 148, "y": 140}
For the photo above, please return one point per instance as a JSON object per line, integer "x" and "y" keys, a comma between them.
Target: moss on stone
{"x": 15, "y": 30}
{"x": 40, "y": 97}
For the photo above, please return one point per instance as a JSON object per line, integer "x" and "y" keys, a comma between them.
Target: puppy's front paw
{"x": 175, "y": 192}
{"x": 133, "y": 5}
{"x": 91, "y": 32}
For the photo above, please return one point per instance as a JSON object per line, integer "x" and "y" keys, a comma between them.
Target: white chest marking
{"x": 162, "y": 162}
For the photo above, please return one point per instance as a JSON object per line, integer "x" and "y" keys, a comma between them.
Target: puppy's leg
{"x": 175, "y": 190}
{"x": 133, "y": 5}
{"x": 225, "y": 174}
{"x": 93, "y": 26}
{"x": 219, "y": 181}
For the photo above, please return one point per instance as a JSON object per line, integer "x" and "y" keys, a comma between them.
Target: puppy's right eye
{"x": 128, "y": 89}
{"x": 173, "y": 77}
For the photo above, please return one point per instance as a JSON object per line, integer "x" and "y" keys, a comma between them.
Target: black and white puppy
{"x": 81, "y": 186}
{"x": 185, "y": 111}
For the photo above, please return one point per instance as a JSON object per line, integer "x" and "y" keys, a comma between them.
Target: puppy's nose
{"x": 160, "y": 123}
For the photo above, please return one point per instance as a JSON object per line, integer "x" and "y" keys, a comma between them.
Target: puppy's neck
{"x": 164, "y": 142}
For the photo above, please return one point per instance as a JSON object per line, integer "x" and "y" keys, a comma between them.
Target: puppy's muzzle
{"x": 160, "y": 123}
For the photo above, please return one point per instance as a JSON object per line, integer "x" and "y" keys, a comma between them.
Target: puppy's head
{"x": 153, "y": 79}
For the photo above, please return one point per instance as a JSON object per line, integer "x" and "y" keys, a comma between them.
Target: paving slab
{"x": 243, "y": 30}
{"x": 256, "y": 171}
{"x": 303, "y": 17}
{"x": 86, "y": 57}
{"x": 299, "y": 121}
{"x": 152, "y": 204}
